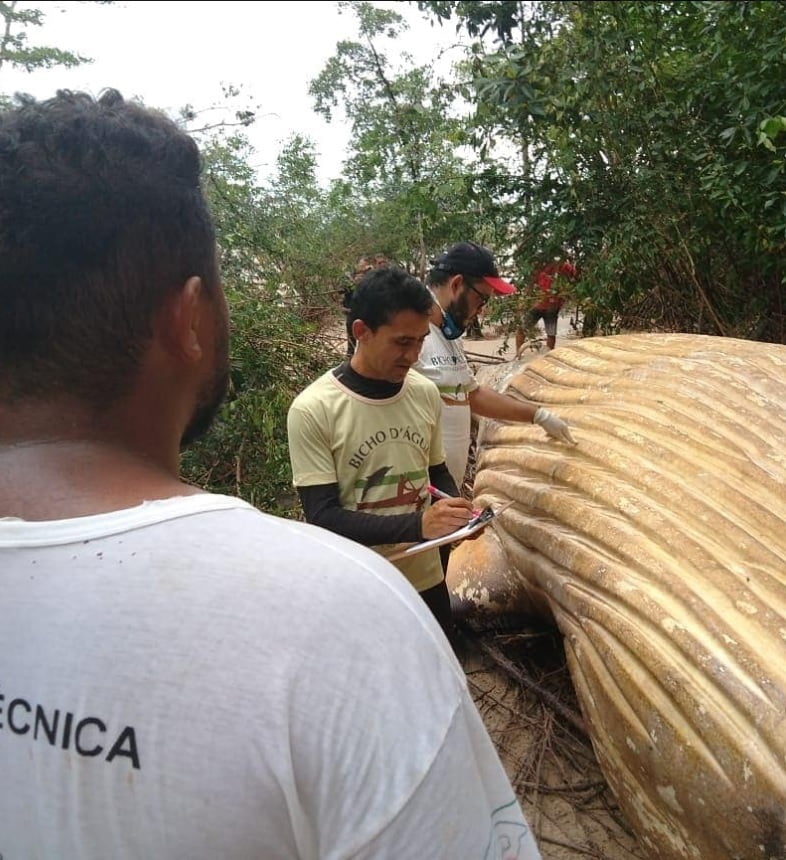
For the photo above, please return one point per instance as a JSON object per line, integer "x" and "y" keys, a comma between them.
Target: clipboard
{"x": 476, "y": 524}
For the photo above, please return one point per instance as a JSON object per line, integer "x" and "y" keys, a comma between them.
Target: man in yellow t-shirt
{"x": 365, "y": 438}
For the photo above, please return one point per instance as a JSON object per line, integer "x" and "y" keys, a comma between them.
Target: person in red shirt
{"x": 548, "y": 306}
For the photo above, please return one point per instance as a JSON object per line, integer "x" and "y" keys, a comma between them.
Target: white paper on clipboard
{"x": 476, "y": 524}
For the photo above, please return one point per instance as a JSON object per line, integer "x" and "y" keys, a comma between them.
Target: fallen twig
{"x": 590, "y": 852}
{"x": 549, "y": 698}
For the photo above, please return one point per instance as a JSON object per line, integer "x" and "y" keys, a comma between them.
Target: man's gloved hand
{"x": 554, "y": 426}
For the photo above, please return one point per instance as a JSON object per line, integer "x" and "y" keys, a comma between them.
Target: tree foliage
{"x": 655, "y": 144}
{"x": 646, "y": 140}
{"x": 408, "y": 159}
{"x": 276, "y": 347}
{"x": 16, "y": 20}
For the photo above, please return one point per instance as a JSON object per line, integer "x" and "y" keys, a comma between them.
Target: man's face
{"x": 364, "y": 265}
{"x": 214, "y": 388}
{"x": 390, "y": 351}
{"x": 471, "y": 298}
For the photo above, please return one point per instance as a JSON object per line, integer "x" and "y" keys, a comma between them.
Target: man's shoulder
{"x": 252, "y": 543}
{"x": 314, "y": 390}
{"x": 421, "y": 385}
{"x": 424, "y": 391}
{"x": 568, "y": 269}
{"x": 324, "y": 572}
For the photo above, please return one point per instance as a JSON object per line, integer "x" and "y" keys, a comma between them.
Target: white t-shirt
{"x": 444, "y": 362}
{"x": 194, "y": 679}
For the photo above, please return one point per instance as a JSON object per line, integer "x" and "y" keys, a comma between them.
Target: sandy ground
{"x": 531, "y": 713}
{"x": 496, "y": 346}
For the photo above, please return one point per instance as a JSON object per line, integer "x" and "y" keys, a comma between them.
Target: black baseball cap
{"x": 469, "y": 258}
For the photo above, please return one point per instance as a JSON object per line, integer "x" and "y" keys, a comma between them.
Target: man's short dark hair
{"x": 383, "y": 293}
{"x": 101, "y": 217}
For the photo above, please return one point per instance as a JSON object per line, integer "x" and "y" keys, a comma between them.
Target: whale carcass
{"x": 657, "y": 545}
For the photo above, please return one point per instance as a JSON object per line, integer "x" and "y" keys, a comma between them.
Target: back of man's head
{"x": 385, "y": 292}
{"x": 101, "y": 217}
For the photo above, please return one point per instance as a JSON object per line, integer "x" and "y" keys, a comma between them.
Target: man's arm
{"x": 315, "y": 478}
{"x": 439, "y": 476}
{"x": 322, "y": 507}
{"x": 488, "y": 403}
{"x": 394, "y": 759}
{"x": 467, "y": 787}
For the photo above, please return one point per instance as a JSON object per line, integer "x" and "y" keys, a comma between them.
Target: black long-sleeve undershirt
{"x": 322, "y": 507}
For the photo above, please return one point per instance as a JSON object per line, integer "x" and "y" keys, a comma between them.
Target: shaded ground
{"x": 521, "y": 686}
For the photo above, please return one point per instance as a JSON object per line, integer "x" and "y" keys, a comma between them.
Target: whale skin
{"x": 657, "y": 546}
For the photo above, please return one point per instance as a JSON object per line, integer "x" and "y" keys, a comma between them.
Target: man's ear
{"x": 181, "y": 320}
{"x": 359, "y": 329}
{"x": 455, "y": 284}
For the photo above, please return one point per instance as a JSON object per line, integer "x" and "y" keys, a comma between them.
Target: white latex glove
{"x": 554, "y": 426}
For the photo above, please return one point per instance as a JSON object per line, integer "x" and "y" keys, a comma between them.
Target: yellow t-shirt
{"x": 377, "y": 451}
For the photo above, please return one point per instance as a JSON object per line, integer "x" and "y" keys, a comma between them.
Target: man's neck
{"x": 358, "y": 365}
{"x": 63, "y": 463}
{"x": 375, "y": 389}
{"x": 435, "y": 314}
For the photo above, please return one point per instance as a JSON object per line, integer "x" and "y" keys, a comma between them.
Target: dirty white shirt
{"x": 444, "y": 362}
{"x": 193, "y": 679}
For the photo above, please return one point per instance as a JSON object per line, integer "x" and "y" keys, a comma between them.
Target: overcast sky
{"x": 176, "y": 53}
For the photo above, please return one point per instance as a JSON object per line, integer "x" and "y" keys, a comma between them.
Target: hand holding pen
{"x": 447, "y": 515}
{"x": 438, "y": 494}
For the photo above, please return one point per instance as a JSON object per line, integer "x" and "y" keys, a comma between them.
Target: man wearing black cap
{"x": 462, "y": 280}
